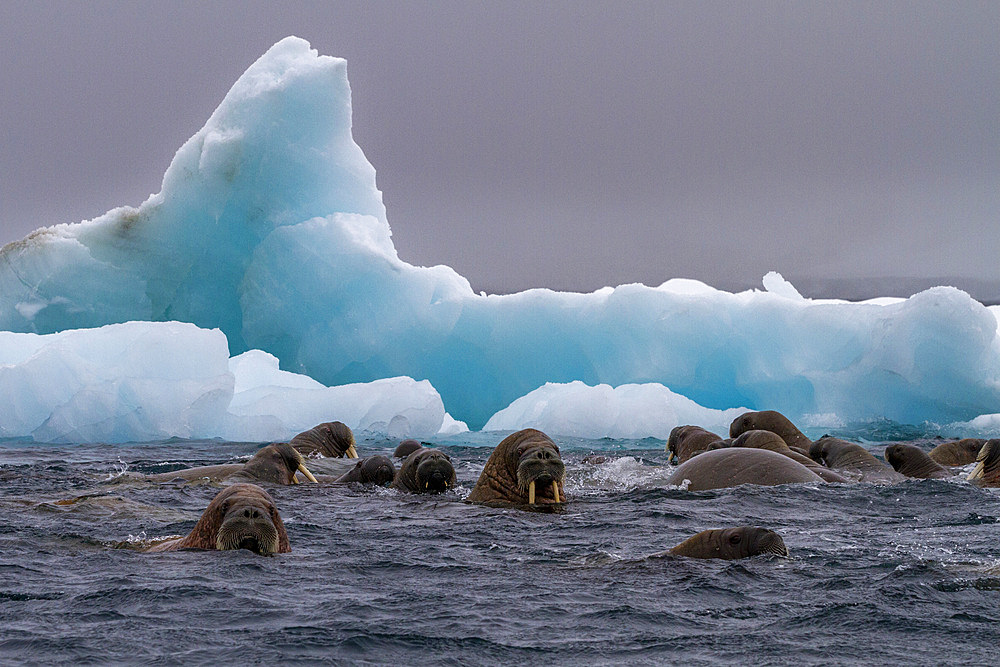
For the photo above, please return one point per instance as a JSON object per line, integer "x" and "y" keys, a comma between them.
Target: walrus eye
{"x": 734, "y": 539}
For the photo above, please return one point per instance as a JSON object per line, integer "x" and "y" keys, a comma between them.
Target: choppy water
{"x": 899, "y": 574}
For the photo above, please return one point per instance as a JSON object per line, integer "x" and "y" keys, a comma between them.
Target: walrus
{"x": 854, "y": 460}
{"x": 759, "y": 439}
{"x": 911, "y": 461}
{"x": 775, "y": 422}
{"x": 242, "y": 516}
{"x": 687, "y": 441}
{"x": 375, "y": 469}
{"x": 987, "y": 470}
{"x": 729, "y": 544}
{"x": 331, "y": 439}
{"x": 524, "y": 470}
{"x": 957, "y": 452}
{"x": 273, "y": 464}
{"x": 732, "y": 466}
{"x": 405, "y": 448}
{"x": 425, "y": 470}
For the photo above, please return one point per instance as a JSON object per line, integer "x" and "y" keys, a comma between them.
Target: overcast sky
{"x": 559, "y": 144}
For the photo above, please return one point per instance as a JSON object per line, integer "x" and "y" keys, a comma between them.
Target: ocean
{"x": 903, "y": 574}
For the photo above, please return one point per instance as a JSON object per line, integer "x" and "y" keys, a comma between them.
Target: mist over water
{"x": 877, "y": 574}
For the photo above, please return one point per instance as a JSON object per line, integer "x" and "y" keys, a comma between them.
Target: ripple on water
{"x": 383, "y": 577}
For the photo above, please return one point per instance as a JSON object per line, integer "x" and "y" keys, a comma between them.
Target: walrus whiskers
{"x": 531, "y": 493}
{"x": 230, "y": 540}
{"x": 777, "y": 550}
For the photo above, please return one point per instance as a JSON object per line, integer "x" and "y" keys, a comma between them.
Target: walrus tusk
{"x": 531, "y": 493}
{"x": 977, "y": 472}
{"x": 427, "y": 485}
{"x": 305, "y": 471}
{"x": 555, "y": 491}
{"x": 352, "y": 453}
{"x": 294, "y": 479}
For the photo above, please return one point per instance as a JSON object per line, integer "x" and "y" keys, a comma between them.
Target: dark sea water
{"x": 905, "y": 574}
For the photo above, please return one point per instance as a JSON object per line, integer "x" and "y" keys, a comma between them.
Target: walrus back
{"x": 725, "y": 468}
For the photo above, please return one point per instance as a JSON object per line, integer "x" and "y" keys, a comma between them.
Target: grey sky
{"x": 562, "y": 144}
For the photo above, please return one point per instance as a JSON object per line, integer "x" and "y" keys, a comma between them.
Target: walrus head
{"x": 732, "y": 543}
{"x": 539, "y": 471}
{"x": 434, "y": 471}
{"x": 957, "y": 452}
{"x": 425, "y": 470}
{"x": 331, "y": 439}
{"x": 760, "y": 439}
{"x": 830, "y": 451}
{"x": 375, "y": 469}
{"x": 406, "y": 448}
{"x": 688, "y": 440}
{"x": 987, "y": 470}
{"x": 248, "y": 523}
{"x": 525, "y": 469}
{"x": 770, "y": 420}
{"x": 912, "y": 461}
{"x": 241, "y": 516}
{"x": 277, "y": 464}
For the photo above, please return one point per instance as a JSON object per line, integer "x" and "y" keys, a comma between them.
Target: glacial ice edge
{"x": 145, "y": 381}
{"x": 269, "y": 227}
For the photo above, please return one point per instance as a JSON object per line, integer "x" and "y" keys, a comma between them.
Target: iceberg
{"x": 278, "y": 404}
{"x": 269, "y": 227}
{"x": 629, "y": 411}
{"x": 143, "y": 381}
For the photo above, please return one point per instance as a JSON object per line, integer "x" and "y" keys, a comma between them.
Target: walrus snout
{"x": 435, "y": 473}
{"x": 378, "y": 470}
{"x": 769, "y": 542}
{"x": 383, "y": 475}
{"x": 248, "y": 528}
{"x": 539, "y": 472}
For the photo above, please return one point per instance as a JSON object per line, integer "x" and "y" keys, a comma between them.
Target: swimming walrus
{"x": 733, "y": 466}
{"x": 729, "y": 544}
{"x": 273, "y": 464}
{"x": 330, "y": 439}
{"x": 775, "y": 422}
{"x": 759, "y": 439}
{"x": 854, "y": 460}
{"x": 911, "y": 461}
{"x": 406, "y": 447}
{"x": 375, "y": 469}
{"x": 524, "y": 470}
{"x": 957, "y": 452}
{"x": 688, "y": 440}
{"x": 987, "y": 470}
{"x": 425, "y": 470}
{"x": 242, "y": 516}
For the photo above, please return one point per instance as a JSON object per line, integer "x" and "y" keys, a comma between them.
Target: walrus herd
{"x": 526, "y": 471}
